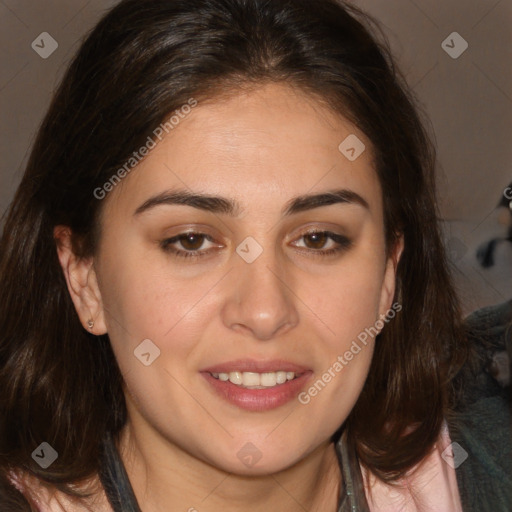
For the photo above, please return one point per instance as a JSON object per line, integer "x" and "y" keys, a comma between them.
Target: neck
{"x": 165, "y": 477}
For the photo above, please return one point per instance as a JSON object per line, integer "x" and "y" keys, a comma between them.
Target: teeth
{"x": 268, "y": 379}
{"x": 249, "y": 379}
{"x": 253, "y": 380}
{"x": 281, "y": 377}
{"x": 236, "y": 378}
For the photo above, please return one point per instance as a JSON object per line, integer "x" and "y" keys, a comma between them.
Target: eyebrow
{"x": 222, "y": 205}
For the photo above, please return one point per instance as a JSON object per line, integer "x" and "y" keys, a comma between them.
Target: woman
{"x": 223, "y": 284}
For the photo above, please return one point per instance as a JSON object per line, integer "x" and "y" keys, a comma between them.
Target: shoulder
{"x": 494, "y": 317}
{"x": 480, "y": 422}
{"x": 431, "y": 485}
{"x": 487, "y": 372}
{"x": 490, "y": 330}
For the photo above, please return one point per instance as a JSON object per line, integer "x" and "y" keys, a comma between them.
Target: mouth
{"x": 256, "y": 385}
{"x": 254, "y": 380}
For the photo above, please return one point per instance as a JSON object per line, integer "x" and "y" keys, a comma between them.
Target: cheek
{"x": 347, "y": 305}
{"x": 144, "y": 301}
{"x": 347, "y": 312}
{"x": 348, "y": 300}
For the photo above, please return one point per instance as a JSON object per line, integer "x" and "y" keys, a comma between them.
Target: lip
{"x": 257, "y": 400}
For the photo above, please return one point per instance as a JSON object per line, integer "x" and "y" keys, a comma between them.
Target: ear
{"x": 81, "y": 281}
{"x": 389, "y": 281}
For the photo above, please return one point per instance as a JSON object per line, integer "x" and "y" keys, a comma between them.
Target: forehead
{"x": 259, "y": 147}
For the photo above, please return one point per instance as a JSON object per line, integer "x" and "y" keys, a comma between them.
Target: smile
{"x": 256, "y": 385}
{"x": 253, "y": 380}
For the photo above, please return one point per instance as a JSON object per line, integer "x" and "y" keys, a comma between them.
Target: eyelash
{"x": 343, "y": 244}
{"x": 166, "y": 245}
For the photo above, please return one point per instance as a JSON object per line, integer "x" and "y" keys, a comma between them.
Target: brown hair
{"x": 144, "y": 60}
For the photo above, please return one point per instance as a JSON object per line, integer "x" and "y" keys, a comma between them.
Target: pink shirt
{"x": 431, "y": 486}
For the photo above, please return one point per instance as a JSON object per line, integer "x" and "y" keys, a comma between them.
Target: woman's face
{"x": 251, "y": 293}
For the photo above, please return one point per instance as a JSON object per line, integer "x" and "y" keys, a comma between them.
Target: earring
{"x": 90, "y": 324}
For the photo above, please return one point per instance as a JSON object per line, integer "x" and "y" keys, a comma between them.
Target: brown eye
{"x": 190, "y": 245}
{"x": 192, "y": 241}
{"x": 323, "y": 243}
{"x": 315, "y": 240}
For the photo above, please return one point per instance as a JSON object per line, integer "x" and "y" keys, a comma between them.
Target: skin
{"x": 260, "y": 148}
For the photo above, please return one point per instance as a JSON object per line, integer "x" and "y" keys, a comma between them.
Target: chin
{"x": 248, "y": 460}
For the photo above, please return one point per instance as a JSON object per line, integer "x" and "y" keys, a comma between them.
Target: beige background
{"x": 468, "y": 99}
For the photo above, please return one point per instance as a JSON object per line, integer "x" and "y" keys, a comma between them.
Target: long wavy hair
{"x": 145, "y": 59}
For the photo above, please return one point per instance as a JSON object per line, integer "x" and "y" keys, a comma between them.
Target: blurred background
{"x": 455, "y": 55}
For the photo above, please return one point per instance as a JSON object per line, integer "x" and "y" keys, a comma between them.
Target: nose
{"x": 260, "y": 301}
